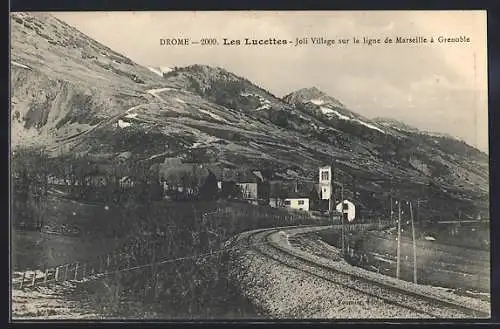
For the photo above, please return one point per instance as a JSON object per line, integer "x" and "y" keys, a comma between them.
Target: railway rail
{"x": 416, "y": 302}
{"x": 377, "y": 287}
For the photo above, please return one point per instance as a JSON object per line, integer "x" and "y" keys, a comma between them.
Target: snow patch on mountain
{"x": 160, "y": 70}
{"x": 340, "y": 115}
{"x": 326, "y": 110}
{"x": 265, "y": 106}
{"x": 318, "y": 102}
{"x": 369, "y": 126}
{"x": 20, "y": 65}
{"x": 131, "y": 115}
{"x": 214, "y": 116}
{"x": 123, "y": 124}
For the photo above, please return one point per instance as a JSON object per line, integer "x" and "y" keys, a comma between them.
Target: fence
{"x": 362, "y": 227}
{"x": 121, "y": 259}
{"x": 78, "y": 271}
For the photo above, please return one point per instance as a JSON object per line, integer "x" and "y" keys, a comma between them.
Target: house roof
{"x": 297, "y": 195}
{"x": 173, "y": 167}
{"x": 241, "y": 176}
{"x": 175, "y": 172}
{"x": 291, "y": 189}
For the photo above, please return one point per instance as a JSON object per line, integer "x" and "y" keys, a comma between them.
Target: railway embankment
{"x": 286, "y": 275}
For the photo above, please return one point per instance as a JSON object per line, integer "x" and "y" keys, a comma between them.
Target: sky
{"x": 440, "y": 87}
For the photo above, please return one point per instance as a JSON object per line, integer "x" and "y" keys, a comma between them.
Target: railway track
{"x": 419, "y": 304}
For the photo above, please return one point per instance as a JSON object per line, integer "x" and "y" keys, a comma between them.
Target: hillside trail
{"x": 108, "y": 121}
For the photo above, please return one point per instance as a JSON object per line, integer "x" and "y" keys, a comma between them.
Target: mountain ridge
{"x": 78, "y": 95}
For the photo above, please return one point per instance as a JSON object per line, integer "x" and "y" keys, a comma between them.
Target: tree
{"x": 314, "y": 199}
{"x": 279, "y": 118}
{"x": 209, "y": 190}
{"x": 231, "y": 190}
{"x": 264, "y": 191}
{"x": 30, "y": 178}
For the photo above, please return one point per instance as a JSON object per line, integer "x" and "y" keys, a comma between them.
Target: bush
{"x": 279, "y": 118}
{"x": 30, "y": 171}
{"x": 192, "y": 287}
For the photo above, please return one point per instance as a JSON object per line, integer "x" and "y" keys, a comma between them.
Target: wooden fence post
{"x": 22, "y": 280}
{"x": 46, "y": 275}
{"x": 84, "y": 269}
{"x": 66, "y": 272}
{"x": 57, "y": 273}
{"x": 34, "y": 279}
{"x": 76, "y": 271}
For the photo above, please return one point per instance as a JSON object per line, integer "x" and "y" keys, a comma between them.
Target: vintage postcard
{"x": 249, "y": 165}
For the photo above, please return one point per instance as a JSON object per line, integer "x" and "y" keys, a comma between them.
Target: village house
{"x": 53, "y": 180}
{"x": 251, "y": 183}
{"x": 291, "y": 194}
{"x": 347, "y": 209}
{"x": 297, "y": 201}
{"x": 126, "y": 182}
{"x": 187, "y": 178}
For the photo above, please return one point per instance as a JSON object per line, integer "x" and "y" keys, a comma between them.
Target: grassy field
{"x": 182, "y": 291}
{"x": 91, "y": 228}
{"x": 438, "y": 264}
{"x": 197, "y": 286}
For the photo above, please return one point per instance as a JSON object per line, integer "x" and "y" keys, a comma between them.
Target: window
{"x": 345, "y": 206}
{"x": 324, "y": 175}
{"x": 287, "y": 202}
{"x": 301, "y": 202}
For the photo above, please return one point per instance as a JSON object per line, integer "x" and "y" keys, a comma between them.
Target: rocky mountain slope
{"x": 71, "y": 93}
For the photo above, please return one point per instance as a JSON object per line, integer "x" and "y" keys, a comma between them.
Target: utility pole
{"x": 391, "y": 208}
{"x": 418, "y": 211}
{"x": 414, "y": 246}
{"x": 341, "y": 213}
{"x": 331, "y": 200}
{"x": 399, "y": 241}
{"x": 342, "y": 216}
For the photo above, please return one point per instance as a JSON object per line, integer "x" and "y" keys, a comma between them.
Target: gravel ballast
{"x": 285, "y": 287}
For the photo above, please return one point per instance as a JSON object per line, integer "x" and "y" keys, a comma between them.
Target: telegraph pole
{"x": 331, "y": 200}
{"x": 414, "y": 246}
{"x": 341, "y": 213}
{"x": 399, "y": 241}
{"x": 342, "y": 216}
{"x": 391, "y": 208}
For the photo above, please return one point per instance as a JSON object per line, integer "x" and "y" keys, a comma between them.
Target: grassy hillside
{"x": 71, "y": 93}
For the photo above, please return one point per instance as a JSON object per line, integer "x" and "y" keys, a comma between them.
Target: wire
{"x": 159, "y": 262}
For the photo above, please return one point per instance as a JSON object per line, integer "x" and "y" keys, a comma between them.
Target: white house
{"x": 249, "y": 190}
{"x": 348, "y": 210}
{"x": 297, "y": 203}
